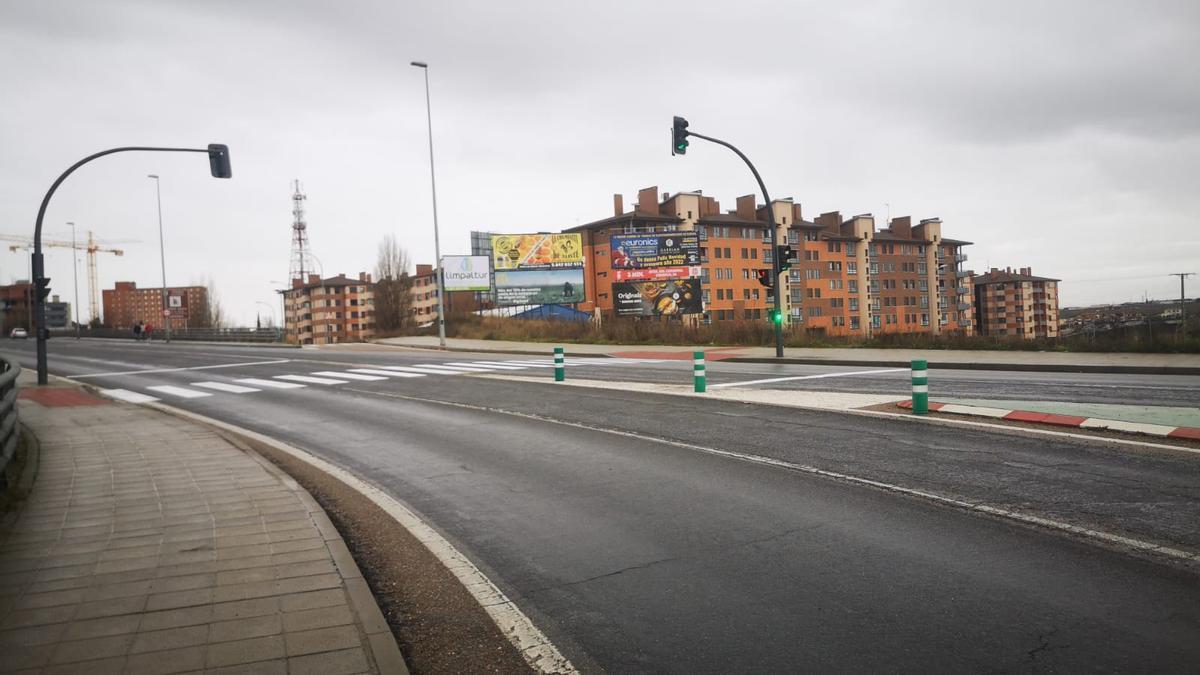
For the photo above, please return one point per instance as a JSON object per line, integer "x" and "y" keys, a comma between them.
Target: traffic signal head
{"x": 679, "y": 134}
{"x": 764, "y": 277}
{"x": 218, "y": 160}
{"x": 43, "y": 287}
{"x": 785, "y": 254}
{"x": 776, "y": 315}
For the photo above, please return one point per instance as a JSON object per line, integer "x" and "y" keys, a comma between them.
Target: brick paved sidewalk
{"x": 150, "y": 544}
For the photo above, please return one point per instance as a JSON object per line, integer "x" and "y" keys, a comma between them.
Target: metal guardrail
{"x": 263, "y": 335}
{"x": 9, "y": 430}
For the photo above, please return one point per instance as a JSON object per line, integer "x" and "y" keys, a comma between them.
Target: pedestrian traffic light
{"x": 776, "y": 315}
{"x": 218, "y": 160}
{"x": 679, "y": 134}
{"x": 764, "y": 277}
{"x": 785, "y": 254}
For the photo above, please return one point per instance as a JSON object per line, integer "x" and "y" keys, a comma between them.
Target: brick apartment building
{"x": 16, "y": 302}
{"x": 847, "y": 278}
{"x": 125, "y": 304}
{"x": 327, "y": 311}
{"x": 1016, "y": 304}
{"x": 424, "y": 292}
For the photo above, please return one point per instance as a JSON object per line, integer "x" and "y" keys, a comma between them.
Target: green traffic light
{"x": 776, "y": 316}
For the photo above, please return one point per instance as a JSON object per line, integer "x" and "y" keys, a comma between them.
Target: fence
{"x": 264, "y": 335}
{"x": 9, "y": 430}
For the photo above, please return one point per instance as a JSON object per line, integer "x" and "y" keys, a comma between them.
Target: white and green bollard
{"x": 920, "y": 385}
{"x": 560, "y": 365}
{"x": 698, "y": 371}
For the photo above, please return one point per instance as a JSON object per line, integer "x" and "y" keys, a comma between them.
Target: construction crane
{"x": 91, "y": 246}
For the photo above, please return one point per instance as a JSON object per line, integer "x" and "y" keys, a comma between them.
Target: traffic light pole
{"x": 42, "y": 284}
{"x": 775, "y": 262}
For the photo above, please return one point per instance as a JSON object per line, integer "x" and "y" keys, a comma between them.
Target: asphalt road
{"x": 607, "y": 516}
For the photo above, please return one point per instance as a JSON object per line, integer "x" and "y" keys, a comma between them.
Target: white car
{"x": 18, "y": 333}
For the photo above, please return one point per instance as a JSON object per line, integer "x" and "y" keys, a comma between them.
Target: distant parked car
{"x": 18, "y": 333}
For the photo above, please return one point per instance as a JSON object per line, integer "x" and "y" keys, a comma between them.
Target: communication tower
{"x": 300, "y": 266}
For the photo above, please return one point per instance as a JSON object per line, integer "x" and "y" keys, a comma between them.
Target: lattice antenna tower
{"x": 300, "y": 265}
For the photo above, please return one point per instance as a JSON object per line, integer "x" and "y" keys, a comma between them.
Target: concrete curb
{"x": 273, "y": 345}
{"x": 1072, "y": 421}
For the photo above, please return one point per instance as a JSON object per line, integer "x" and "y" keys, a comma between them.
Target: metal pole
{"x": 43, "y": 373}
{"x": 775, "y": 271}
{"x": 437, "y": 251}
{"x": 75, "y": 277}
{"x": 162, "y": 254}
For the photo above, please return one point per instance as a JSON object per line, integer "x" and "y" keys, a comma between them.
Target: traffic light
{"x": 218, "y": 160}
{"x": 775, "y": 315}
{"x": 43, "y": 287}
{"x": 785, "y": 254}
{"x": 679, "y": 134}
{"x": 764, "y": 277}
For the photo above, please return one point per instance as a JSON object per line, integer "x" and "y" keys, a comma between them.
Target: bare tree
{"x": 210, "y": 314}
{"x": 393, "y": 297}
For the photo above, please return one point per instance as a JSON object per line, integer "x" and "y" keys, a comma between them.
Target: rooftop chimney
{"x": 314, "y": 278}
{"x": 618, "y": 205}
{"x": 648, "y": 200}
{"x": 745, "y": 207}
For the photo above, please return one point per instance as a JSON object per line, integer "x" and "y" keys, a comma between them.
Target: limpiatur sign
{"x": 467, "y": 273}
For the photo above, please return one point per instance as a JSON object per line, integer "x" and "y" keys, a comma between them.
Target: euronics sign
{"x": 467, "y": 273}
{"x": 675, "y": 250}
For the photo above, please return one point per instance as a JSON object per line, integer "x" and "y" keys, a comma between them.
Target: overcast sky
{"x": 1059, "y": 135}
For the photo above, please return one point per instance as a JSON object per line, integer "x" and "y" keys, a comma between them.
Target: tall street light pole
{"x": 437, "y": 251}
{"x": 75, "y": 277}
{"x": 162, "y": 255}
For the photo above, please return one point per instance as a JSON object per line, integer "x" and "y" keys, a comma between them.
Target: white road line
{"x": 1027, "y": 518}
{"x": 423, "y": 371}
{"x": 504, "y": 365}
{"x": 271, "y": 384}
{"x": 484, "y": 365}
{"x": 461, "y": 369}
{"x": 351, "y": 376}
{"x": 388, "y": 373}
{"x": 808, "y": 377}
{"x": 310, "y": 379}
{"x": 226, "y": 387}
{"x": 181, "y": 392}
{"x": 127, "y": 396}
{"x": 177, "y": 370}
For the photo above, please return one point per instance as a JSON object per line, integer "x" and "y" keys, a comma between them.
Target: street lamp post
{"x": 218, "y": 165}
{"x": 437, "y": 251}
{"x": 75, "y": 277}
{"x": 162, "y": 255}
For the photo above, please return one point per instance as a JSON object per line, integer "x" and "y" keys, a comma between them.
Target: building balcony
{"x": 960, "y": 257}
{"x": 964, "y": 290}
{"x": 964, "y": 306}
{"x": 962, "y": 274}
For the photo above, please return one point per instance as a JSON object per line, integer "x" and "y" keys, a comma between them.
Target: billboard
{"x": 657, "y": 298}
{"x": 466, "y": 273}
{"x": 177, "y": 306}
{"x": 536, "y": 251}
{"x": 537, "y": 269}
{"x": 656, "y": 273}
{"x": 677, "y": 251}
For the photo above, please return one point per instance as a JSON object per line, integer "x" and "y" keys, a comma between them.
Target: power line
{"x": 1182, "y": 299}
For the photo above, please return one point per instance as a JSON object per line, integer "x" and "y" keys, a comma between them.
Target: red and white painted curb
{"x": 1190, "y": 433}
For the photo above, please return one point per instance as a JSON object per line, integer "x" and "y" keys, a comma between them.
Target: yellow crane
{"x": 91, "y": 246}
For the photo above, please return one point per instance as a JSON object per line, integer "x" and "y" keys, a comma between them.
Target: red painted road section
{"x": 1073, "y": 421}
{"x": 61, "y": 398}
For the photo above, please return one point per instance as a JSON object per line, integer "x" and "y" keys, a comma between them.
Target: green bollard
{"x": 920, "y": 387}
{"x": 560, "y": 366}
{"x": 698, "y": 371}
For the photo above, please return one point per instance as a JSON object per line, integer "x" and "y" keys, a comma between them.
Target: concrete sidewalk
{"x": 1181, "y": 364}
{"x": 149, "y": 544}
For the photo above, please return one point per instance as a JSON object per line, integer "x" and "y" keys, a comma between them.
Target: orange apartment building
{"x": 1016, "y": 304}
{"x": 125, "y": 305}
{"x": 424, "y": 292}
{"x": 328, "y": 311}
{"x": 846, "y": 278}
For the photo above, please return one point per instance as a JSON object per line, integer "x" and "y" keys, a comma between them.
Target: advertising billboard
{"x": 466, "y": 273}
{"x": 673, "y": 250}
{"x": 657, "y": 298}
{"x": 537, "y": 269}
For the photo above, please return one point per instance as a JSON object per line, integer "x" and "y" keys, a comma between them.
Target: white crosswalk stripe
{"x": 480, "y": 364}
{"x": 225, "y": 387}
{"x": 508, "y": 365}
{"x": 460, "y": 368}
{"x": 351, "y": 376}
{"x": 388, "y": 373}
{"x": 309, "y": 379}
{"x": 127, "y": 396}
{"x": 424, "y": 371}
{"x": 181, "y": 392}
{"x": 272, "y": 384}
